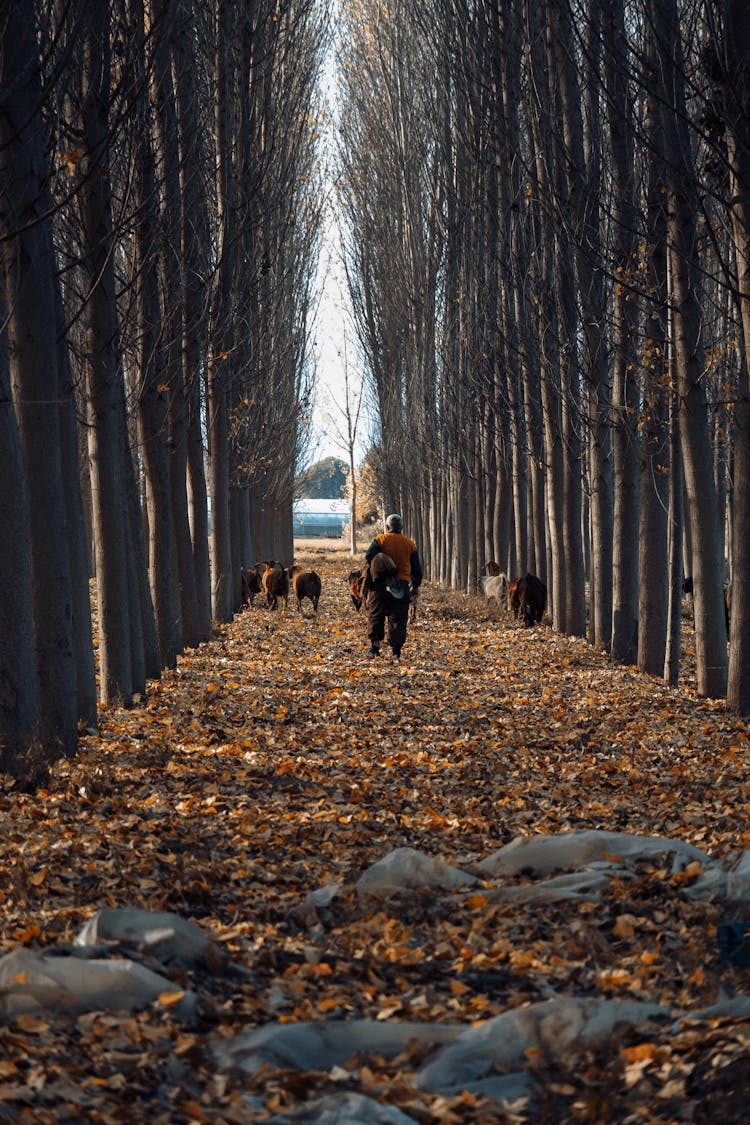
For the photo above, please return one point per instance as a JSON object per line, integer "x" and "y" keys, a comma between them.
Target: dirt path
{"x": 278, "y": 759}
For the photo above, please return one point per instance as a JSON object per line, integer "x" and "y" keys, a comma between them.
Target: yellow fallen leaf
{"x": 322, "y": 969}
{"x": 31, "y": 1024}
{"x": 623, "y": 927}
{"x": 640, "y": 1052}
{"x": 476, "y": 902}
{"x": 167, "y": 999}
{"x": 193, "y": 1110}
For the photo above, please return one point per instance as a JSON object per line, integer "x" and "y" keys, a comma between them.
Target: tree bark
{"x": 660, "y": 594}
{"x": 78, "y": 539}
{"x": 737, "y": 116}
{"x": 625, "y": 390}
{"x": 106, "y": 415}
{"x": 18, "y": 687}
{"x": 28, "y": 275}
{"x": 172, "y": 204}
{"x": 711, "y": 649}
{"x": 152, "y": 388}
{"x": 194, "y": 249}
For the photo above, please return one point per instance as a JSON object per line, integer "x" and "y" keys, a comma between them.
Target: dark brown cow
{"x": 306, "y": 584}
{"x": 355, "y": 589}
{"x": 532, "y": 599}
{"x": 275, "y": 584}
{"x": 513, "y": 596}
{"x": 250, "y": 585}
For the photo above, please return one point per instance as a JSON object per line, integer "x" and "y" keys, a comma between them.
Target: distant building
{"x": 324, "y": 518}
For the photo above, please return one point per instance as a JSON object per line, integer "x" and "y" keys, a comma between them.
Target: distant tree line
{"x": 547, "y": 208}
{"x": 160, "y": 203}
{"x": 323, "y": 480}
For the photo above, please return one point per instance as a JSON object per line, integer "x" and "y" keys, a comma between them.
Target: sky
{"x": 332, "y": 350}
{"x": 333, "y": 344}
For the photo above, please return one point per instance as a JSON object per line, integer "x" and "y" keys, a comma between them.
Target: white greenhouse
{"x": 320, "y": 518}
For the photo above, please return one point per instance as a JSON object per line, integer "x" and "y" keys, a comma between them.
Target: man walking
{"x": 389, "y": 599}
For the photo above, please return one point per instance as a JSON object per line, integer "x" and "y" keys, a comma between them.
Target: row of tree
{"x": 547, "y": 218}
{"x": 160, "y": 202}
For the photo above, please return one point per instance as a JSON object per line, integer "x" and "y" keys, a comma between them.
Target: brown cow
{"x": 275, "y": 584}
{"x": 532, "y": 599}
{"x": 513, "y": 596}
{"x": 355, "y": 589}
{"x": 413, "y": 603}
{"x": 306, "y": 584}
{"x": 250, "y": 585}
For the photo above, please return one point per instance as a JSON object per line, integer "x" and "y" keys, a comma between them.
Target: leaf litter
{"x": 260, "y": 780}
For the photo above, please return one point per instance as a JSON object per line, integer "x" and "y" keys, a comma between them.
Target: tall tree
{"x": 736, "y": 105}
{"x": 151, "y": 377}
{"x": 29, "y": 283}
{"x": 171, "y": 275}
{"x": 195, "y": 259}
{"x": 625, "y": 384}
{"x": 18, "y": 686}
{"x": 685, "y": 298}
{"x": 105, "y": 394}
{"x": 660, "y": 594}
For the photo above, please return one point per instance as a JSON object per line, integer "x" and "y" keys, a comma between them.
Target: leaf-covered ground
{"x": 278, "y": 759}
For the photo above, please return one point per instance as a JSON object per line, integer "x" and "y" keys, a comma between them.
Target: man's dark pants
{"x": 381, "y": 606}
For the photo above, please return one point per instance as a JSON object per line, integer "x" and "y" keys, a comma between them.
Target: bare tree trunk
{"x": 674, "y": 548}
{"x": 145, "y": 654}
{"x": 625, "y": 391}
{"x": 547, "y": 332}
{"x": 105, "y": 391}
{"x": 86, "y": 696}
{"x": 659, "y": 546}
{"x": 194, "y": 245}
{"x": 737, "y": 111}
{"x": 711, "y": 649}
{"x": 172, "y": 290}
{"x": 218, "y": 472}
{"x": 152, "y": 387}
{"x": 220, "y": 362}
{"x": 28, "y": 275}
{"x": 585, "y": 189}
{"x": 573, "y": 605}
{"x": 18, "y": 687}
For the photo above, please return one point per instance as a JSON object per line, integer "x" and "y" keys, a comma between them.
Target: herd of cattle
{"x": 276, "y": 581}
{"x": 526, "y": 596}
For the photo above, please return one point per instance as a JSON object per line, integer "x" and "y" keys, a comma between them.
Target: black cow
{"x": 532, "y": 599}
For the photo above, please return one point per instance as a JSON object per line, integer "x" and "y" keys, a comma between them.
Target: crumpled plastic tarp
{"x": 322, "y": 1044}
{"x": 552, "y": 1026}
{"x": 345, "y": 1108}
{"x": 34, "y": 983}
{"x": 405, "y": 868}
{"x": 541, "y": 855}
{"x": 169, "y": 938}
